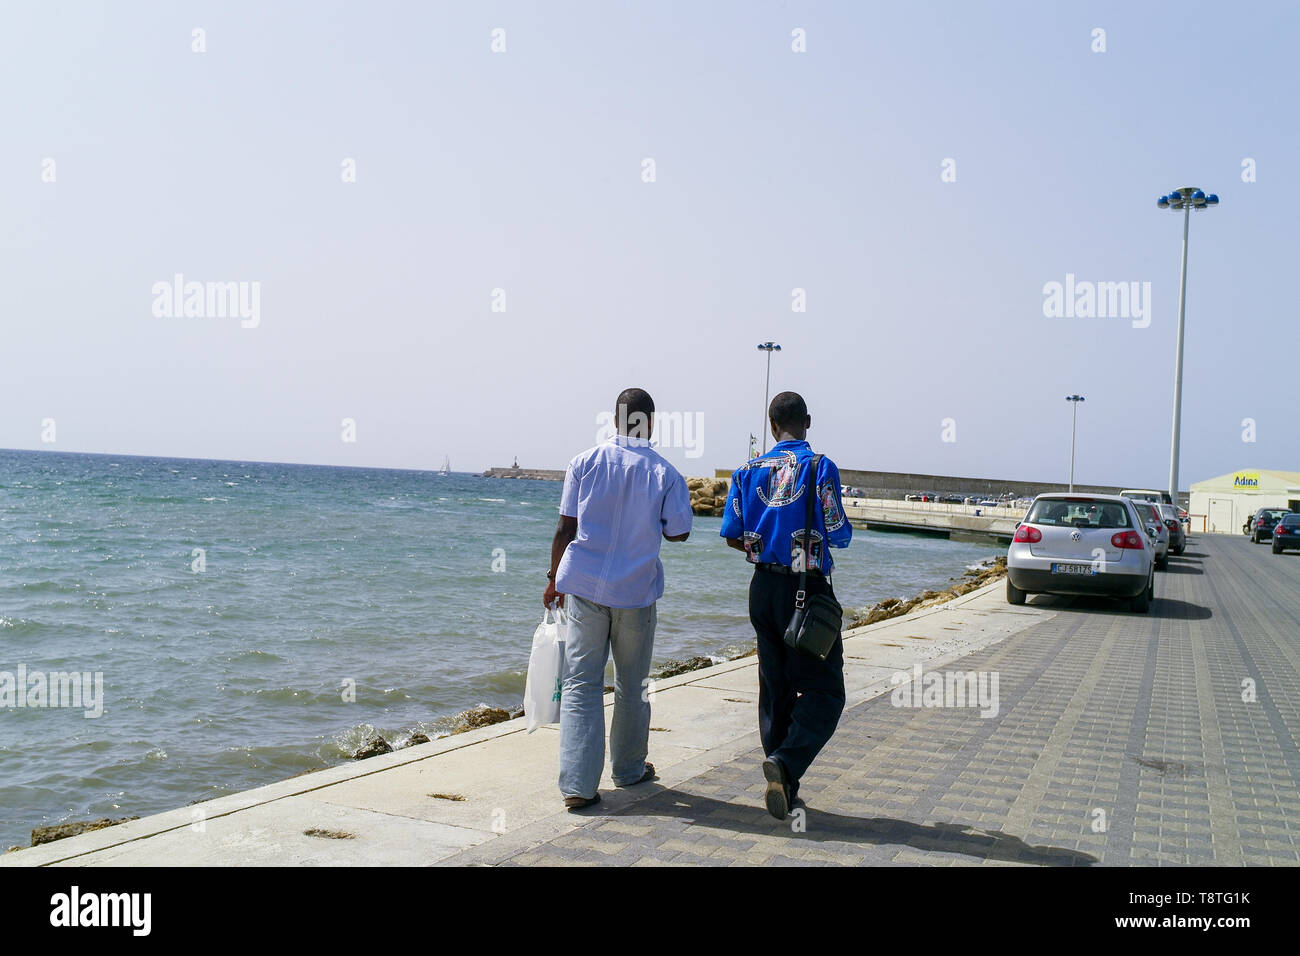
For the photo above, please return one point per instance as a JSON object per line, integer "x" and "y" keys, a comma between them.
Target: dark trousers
{"x": 800, "y": 698}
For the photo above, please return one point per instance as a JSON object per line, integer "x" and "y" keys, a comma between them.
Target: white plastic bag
{"x": 545, "y": 671}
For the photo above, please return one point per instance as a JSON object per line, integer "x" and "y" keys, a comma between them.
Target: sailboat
{"x": 446, "y": 467}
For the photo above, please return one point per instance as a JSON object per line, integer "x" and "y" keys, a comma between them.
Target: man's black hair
{"x": 788, "y": 410}
{"x": 634, "y": 408}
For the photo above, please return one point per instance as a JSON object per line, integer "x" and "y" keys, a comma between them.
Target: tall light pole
{"x": 1074, "y": 401}
{"x": 1185, "y": 198}
{"x": 769, "y": 348}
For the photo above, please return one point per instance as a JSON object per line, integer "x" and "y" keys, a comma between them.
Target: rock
{"x": 61, "y": 831}
{"x": 673, "y": 668}
{"x": 516, "y": 714}
{"x": 14, "y": 849}
{"x": 415, "y": 740}
{"x": 894, "y": 607}
{"x": 480, "y": 717}
{"x": 373, "y": 747}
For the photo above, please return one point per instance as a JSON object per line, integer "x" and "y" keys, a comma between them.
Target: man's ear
{"x": 807, "y": 422}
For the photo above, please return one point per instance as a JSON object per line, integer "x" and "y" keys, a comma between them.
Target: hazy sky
{"x": 524, "y": 171}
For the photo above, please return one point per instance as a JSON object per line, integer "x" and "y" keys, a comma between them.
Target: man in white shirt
{"x": 621, "y": 500}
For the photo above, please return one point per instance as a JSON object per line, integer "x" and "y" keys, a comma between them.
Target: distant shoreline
{"x": 532, "y": 474}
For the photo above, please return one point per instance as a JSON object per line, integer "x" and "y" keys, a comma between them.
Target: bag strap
{"x": 802, "y": 593}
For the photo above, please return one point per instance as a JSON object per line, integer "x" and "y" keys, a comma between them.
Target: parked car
{"x": 1083, "y": 544}
{"x": 1145, "y": 494}
{"x": 1286, "y": 533}
{"x": 1149, "y": 511}
{"x": 1265, "y": 519}
{"x": 1177, "y": 536}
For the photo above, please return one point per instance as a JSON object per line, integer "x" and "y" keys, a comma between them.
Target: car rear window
{"x": 1291, "y": 519}
{"x": 1078, "y": 513}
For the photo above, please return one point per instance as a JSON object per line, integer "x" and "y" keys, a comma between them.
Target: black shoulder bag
{"x": 815, "y": 627}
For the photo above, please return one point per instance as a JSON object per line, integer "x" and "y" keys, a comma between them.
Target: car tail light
{"x": 1126, "y": 539}
{"x": 1026, "y": 534}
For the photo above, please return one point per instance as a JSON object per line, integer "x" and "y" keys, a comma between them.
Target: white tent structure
{"x": 1222, "y": 505}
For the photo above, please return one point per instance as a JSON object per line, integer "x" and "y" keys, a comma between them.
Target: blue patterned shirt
{"x": 767, "y": 509}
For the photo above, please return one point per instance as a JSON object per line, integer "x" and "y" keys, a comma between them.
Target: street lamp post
{"x": 1074, "y": 401}
{"x": 769, "y": 348}
{"x": 1185, "y": 198}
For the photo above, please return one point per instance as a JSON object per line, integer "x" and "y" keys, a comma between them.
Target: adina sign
{"x": 1245, "y": 479}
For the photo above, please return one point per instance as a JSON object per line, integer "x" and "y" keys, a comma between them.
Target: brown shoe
{"x": 580, "y": 803}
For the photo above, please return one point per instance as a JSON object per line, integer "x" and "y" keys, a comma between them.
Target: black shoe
{"x": 778, "y": 788}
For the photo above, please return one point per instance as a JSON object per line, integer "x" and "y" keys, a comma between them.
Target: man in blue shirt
{"x": 621, "y": 500}
{"x": 800, "y": 698}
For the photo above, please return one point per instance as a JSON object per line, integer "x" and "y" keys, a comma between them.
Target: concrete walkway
{"x": 493, "y": 791}
{"x": 1167, "y": 738}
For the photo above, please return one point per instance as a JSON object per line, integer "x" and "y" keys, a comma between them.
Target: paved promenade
{"x": 1119, "y": 739}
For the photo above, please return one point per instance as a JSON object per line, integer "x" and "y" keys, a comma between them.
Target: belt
{"x": 785, "y": 569}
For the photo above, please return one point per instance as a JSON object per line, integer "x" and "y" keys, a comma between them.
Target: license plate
{"x": 1073, "y": 569}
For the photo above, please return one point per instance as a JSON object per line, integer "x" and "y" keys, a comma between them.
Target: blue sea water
{"x": 420, "y": 590}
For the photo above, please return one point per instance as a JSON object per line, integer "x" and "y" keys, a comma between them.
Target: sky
{"x": 469, "y": 225}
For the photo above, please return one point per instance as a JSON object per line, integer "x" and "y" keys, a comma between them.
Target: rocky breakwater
{"x": 973, "y": 578}
{"x": 708, "y": 495}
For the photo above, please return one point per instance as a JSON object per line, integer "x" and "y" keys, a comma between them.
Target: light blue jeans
{"x": 593, "y": 630}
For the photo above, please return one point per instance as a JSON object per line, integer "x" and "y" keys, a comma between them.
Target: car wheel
{"x": 1142, "y": 603}
{"x": 1276, "y": 549}
{"x": 1014, "y": 594}
{"x": 1162, "y": 563}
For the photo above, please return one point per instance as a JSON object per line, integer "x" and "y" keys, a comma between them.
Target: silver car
{"x": 1084, "y": 544}
{"x": 1149, "y": 512}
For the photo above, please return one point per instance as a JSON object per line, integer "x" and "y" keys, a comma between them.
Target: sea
{"x": 250, "y": 621}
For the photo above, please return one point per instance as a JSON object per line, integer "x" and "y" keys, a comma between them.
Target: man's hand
{"x": 738, "y": 544}
{"x": 565, "y": 532}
